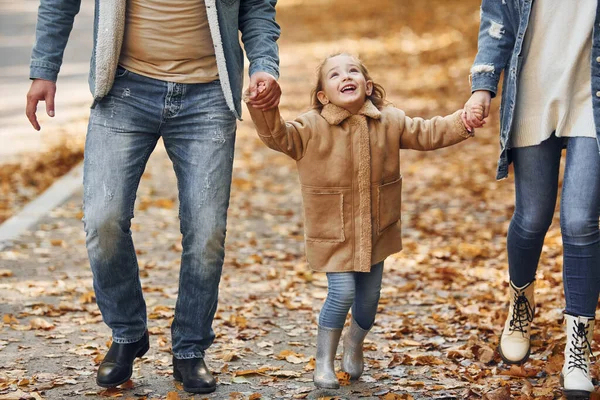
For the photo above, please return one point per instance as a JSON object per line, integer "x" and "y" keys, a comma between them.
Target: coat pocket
{"x": 323, "y": 215}
{"x": 389, "y": 203}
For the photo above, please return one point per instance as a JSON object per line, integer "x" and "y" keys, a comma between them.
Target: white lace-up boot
{"x": 575, "y": 377}
{"x": 514, "y": 344}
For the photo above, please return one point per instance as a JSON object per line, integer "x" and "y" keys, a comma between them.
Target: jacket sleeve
{"x": 54, "y": 24}
{"x": 260, "y": 33}
{"x": 434, "y": 133}
{"x": 494, "y": 46}
{"x": 290, "y": 138}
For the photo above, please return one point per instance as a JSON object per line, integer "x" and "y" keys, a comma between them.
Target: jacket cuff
{"x": 484, "y": 81}
{"x": 264, "y": 121}
{"x": 43, "y": 70}
{"x": 264, "y": 65}
{"x": 460, "y": 127}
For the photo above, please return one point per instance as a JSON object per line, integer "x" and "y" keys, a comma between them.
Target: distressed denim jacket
{"x": 501, "y": 33}
{"x": 255, "y": 19}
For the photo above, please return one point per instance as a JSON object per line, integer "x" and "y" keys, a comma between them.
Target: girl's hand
{"x": 463, "y": 117}
{"x": 261, "y": 87}
{"x": 476, "y": 109}
{"x": 264, "y": 92}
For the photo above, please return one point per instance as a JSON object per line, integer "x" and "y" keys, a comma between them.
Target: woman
{"x": 550, "y": 100}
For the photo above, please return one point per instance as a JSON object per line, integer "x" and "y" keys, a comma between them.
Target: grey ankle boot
{"x": 352, "y": 359}
{"x": 327, "y": 342}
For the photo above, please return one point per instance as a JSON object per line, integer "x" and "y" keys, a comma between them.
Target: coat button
{"x": 598, "y": 94}
{"x": 598, "y": 59}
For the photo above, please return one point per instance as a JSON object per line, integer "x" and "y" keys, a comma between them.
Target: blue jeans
{"x": 536, "y": 184}
{"x": 359, "y": 290}
{"x": 198, "y": 131}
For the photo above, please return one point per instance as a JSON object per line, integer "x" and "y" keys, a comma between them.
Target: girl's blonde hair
{"x": 377, "y": 97}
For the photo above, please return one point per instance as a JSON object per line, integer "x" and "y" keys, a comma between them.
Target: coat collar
{"x": 334, "y": 115}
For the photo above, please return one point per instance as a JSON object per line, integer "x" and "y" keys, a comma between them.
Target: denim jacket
{"x": 255, "y": 19}
{"x": 501, "y": 33}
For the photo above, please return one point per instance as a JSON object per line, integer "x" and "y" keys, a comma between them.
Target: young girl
{"x": 347, "y": 152}
{"x": 550, "y": 99}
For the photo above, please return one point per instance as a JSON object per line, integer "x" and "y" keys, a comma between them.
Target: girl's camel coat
{"x": 349, "y": 168}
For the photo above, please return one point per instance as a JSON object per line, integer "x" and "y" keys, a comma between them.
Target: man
{"x": 170, "y": 69}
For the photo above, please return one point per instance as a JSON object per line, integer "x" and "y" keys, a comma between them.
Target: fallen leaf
{"x": 40, "y": 323}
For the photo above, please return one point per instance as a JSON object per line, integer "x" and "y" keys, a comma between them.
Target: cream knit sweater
{"x": 554, "y": 91}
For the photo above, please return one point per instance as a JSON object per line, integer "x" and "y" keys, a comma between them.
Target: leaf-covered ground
{"x": 444, "y": 297}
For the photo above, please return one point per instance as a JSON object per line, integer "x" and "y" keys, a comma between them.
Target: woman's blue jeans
{"x": 198, "y": 131}
{"x": 536, "y": 187}
{"x": 359, "y": 290}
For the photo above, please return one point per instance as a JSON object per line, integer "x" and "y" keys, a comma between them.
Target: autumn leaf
{"x": 128, "y": 385}
{"x": 259, "y": 371}
{"x": 394, "y": 396}
{"x": 9, "y": 319}
{"x": 502, "y": 393}
{"x": 343, "y": 377}
{"x": 285, "y": 374}
{"x": 172, "y": 396}
{"x": 88, "y": 298}
{"x": 111, "y": 392}
{"x": 520, "y": 371}
{"x": 311, "y": 365}
{"x": 40, "y": 323}
{"x": 229, "y": 356}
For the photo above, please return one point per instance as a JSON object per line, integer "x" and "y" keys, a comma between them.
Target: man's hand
{"x": 264, "y": 91}
{"x": 476, "y": 109}
{"x": 40, "y": 90}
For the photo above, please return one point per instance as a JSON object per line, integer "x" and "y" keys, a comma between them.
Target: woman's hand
{"x": 476, "y": 109}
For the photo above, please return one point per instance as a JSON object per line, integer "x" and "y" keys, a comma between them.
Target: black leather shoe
{"x": 117, "y": 366}
{"x": 194, "y": 374}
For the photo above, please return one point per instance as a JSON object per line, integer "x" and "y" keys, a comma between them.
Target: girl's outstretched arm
{"x": 290, "y": 138}
{"x": 430, "y": 134}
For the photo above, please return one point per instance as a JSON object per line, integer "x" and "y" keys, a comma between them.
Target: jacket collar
{"x": 334, "y": 115}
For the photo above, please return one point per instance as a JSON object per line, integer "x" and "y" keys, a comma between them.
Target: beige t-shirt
{"x": 554, "y": 91}
{"x": 169, "y": 40}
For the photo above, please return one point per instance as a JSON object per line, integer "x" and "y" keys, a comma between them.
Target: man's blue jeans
{"x": 198, "y": 131}
{"x": 536, "y": 183}
{"x": 359, "y": 290}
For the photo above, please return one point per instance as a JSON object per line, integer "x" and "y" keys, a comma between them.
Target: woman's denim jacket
{"x": 255, "y": 19}
{"x": 501, "y": 32}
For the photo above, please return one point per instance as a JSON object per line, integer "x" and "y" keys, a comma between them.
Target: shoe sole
{"x": 178, "y": 378}
{"x": 574, "y": 394}
{"x": 327, "y": 386}
{"x": 353, "y": 377}
{"x": 512, "y": 362}
{"x": 139, "y": 354}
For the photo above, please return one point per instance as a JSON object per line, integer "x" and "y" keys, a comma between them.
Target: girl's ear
{"x": 322, "y": 97}
{"x": 369, "y": 88}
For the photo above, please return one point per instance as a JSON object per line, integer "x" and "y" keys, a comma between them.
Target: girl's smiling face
{"x": 344, "y": 83}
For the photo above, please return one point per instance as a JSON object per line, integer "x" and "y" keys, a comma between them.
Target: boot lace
{"x": 522, "y": 313}
{"x": 579, "y": 347}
